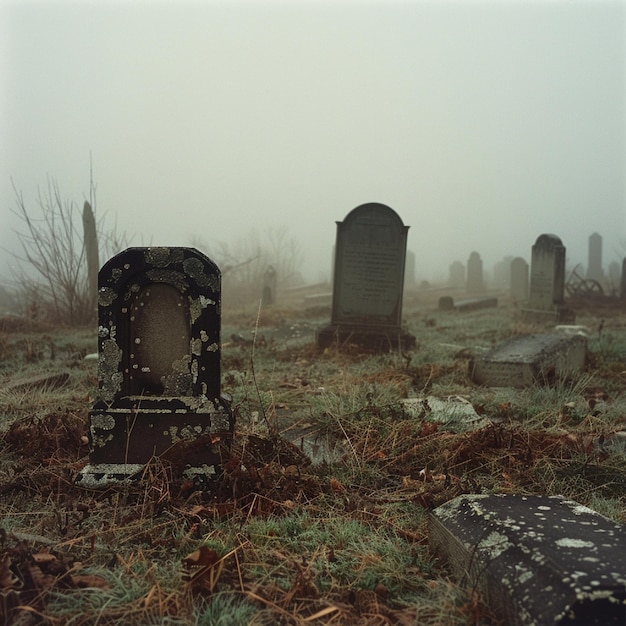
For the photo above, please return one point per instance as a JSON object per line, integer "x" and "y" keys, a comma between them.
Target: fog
{"x": 483, "y": 124}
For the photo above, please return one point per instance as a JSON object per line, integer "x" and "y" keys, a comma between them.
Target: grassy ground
{"x": 281, "y": 540}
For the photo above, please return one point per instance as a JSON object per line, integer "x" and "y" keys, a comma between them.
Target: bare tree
{"x": 52, "y": 270}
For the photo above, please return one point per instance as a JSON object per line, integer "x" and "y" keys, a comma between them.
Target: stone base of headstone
{"x": 446, "y": 303}
{"x": 371, "y": 338}
{"x": 537, "y": 560}
{"x": 123, "y": 440}
{"x": 558, "y": 315}
{"x": 529, "y": 359}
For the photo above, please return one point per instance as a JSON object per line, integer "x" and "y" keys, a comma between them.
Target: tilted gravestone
{"x": 547, "y": 281}
{"x": 519, "y": 280}
{"x": 475, "y": 283}
{"x": 159, "y": 363}
{"x": 370, "y": 255}
{"x": 538, "y": 560}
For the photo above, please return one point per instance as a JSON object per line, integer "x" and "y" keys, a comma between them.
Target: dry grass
{"x": 280, "y": 541}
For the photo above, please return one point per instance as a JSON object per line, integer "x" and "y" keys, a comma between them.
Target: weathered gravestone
{"x": 159, "y": 364}
{"x": 456, "y": 275}
{"x": 370, "y": 255}
{"x": 519, "y": 280}
{"x": 475, "y": 283}
{"x": 502, "y": 273}
{"x": 529, "y": 359}
{"x": 622, "y": 290}
{"x": 594, "y": 268}
{"x": 269, "y": 286}
{"x": 547, "y": 282}
{"x": 614, "y": 277}
{"x": 540, "y": 561}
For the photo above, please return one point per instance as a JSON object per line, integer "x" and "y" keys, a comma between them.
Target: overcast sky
{"x": 483, "y": 124}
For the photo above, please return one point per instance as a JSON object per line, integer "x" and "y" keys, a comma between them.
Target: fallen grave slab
{"x": 454, "y": 413}
{"x": 529, "y": 359}
{"x": 538, "y": 560}
{"x": 447, "y": 303}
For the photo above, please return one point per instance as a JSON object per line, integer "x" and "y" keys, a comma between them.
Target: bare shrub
{"x": 243, "y": 264}
{"x": 52, "y": 269}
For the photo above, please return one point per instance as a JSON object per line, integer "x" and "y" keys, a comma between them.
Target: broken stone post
{"x": 538, "y": 560}
{"x": 368, "y": 284}
{"x": 159, "y": 364}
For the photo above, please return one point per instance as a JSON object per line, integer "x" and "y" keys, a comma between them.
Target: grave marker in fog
{"x": 594, "y": 267}
{"x": 456, "y": 276}
{"x": 269, "y": 286}
{"x": 519, "y": 280}
{"x": 159, "y": 362}
{"x": 475, "y": 283}
{"x": 370, "y": 254}
{"x": 547, "y": 281}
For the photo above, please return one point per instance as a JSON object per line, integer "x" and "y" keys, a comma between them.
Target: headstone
{"x": 525, "y": 360}
{"x": 409, "y": 272}
{"x": 502, "y": 273}
{"x": 547, "y": 281}
{"x": 519, "y": 280}
{"x": 614, "y": 277}
{"x": 159, "y": 364}
{"x": 475, "y": 284}
{"x": 594, "y": 268}
{"x": 622, "y": 290}
{"x": 269, "y": 286}
{"x": 457, "y": 275}
{"x": 368, "y": 282}
{"x": 537, "y": 560}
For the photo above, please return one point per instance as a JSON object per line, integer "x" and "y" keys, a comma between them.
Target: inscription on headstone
{"x": 368, "y": 283}
{"x": 159, "y": 362}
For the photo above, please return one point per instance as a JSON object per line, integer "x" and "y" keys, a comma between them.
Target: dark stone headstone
{"x": 159, "y": 362}
{"x": 538, "y": 560}
{"x": 547, "y": 281}
{"x": 475, "y": 283}
{"x": 519, "y": 280}
{"x": 368, "y": 284}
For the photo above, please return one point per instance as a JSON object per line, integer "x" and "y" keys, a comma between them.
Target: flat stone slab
{"x": 538, "y": 560}
{"x": 529, "y": 359}
{"x": 447, "y": 303}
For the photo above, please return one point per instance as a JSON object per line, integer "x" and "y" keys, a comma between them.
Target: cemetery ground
{"x": 281, "y": 539}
